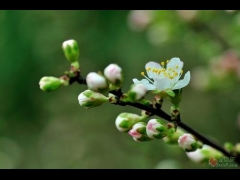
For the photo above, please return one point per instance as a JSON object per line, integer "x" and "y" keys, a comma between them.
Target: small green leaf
{"x": 170, "y": 93}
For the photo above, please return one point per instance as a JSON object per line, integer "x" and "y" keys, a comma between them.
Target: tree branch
{"x": 164, "y": 115}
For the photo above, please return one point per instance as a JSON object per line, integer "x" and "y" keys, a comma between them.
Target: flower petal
{"x": 143, "y": 81}
{"x": 146, "y": 84}
{"x": 152, "y": 65}
{"x": 149, "y": 86}
{"x": 175, "y": 61}
{"x": 176, "y": 64}
{"x": 161, "y": 83}
{"x": 182, "y": 83}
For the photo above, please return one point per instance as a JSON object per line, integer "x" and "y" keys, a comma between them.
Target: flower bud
{"x": 125, "y": 121}
{"x": 71, "y": 50}
{"x": 237, "y": 148}
{"x": 113, "y": 73}
{"x": 138, "y": 132}
{"x": 137, "y": 92}
{"x": 187, "y": 142}
{"x": 156, "y": 129}
{"x": 89, "y": 99}
{"x": 96, "y": 82}
{"x": 172, "y": 138}
{"x": 196, "y": 156}
{"x": 204, "y": 154}
{"x": 229, "y": 147}
{"x": 49, "y": 83}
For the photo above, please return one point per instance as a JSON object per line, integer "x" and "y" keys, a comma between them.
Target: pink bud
{"x": 96, "y": 82}
{"x": 187, "y": 142}
{"x": 113, "y": 73}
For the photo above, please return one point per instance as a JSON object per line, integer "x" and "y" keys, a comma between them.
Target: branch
{"x": 164, "y": 115}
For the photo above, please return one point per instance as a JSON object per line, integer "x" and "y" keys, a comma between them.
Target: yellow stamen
{"x": 162, "y": 63}
{"x": 143, "y": 74}
{"x": 176, "y": 66}
{"x": 148, "y": 69}
{"x": 181, "y": 72}
{"x": 167, "y": 61}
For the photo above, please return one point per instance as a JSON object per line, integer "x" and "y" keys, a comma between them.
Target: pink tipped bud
{"x": 96, "y": 82}
{"x": 187, "y": 142}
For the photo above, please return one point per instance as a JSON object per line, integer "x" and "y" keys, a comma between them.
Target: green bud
{"x": 125, "y": 121}
{"x": 71, "y": 51}
{"x": 89, "y": 99}
{"x": 229, "y": 147}
{"x": 204, "y": 154}
{"x": 172, "y": 137}
{"x": 237, "y": 148}
{"x": 49, "y": 83}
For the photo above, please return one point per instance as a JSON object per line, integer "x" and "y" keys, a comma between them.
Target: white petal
{"x": 149, "y": 86}
{"x": 182, "y": 83}
{"x": 175, "y": 62}
{"x": 152, "y": 65}
{"x": 161, "y": 83}
{"x": 146, "y": 84}
{"x": 143, "y": 81}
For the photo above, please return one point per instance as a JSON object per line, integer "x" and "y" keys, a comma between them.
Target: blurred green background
{"x": 51, "y": 130}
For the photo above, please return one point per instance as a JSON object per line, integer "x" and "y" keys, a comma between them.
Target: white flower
{"x": 164, "y": 78}
{"x": 187, "y": 142}
{"x": 96, "y": 82}
{"x": 113, "y": 73}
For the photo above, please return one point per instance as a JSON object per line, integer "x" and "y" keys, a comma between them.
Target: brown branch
{"x": 164, "y": 115}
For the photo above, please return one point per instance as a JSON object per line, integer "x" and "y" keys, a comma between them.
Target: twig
{"x": 164, "y": 115}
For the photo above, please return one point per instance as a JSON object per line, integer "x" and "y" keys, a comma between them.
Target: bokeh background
{"x": 51, "y": 130}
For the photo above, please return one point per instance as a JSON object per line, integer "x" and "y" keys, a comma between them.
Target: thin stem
{"x": 164, "y": 115}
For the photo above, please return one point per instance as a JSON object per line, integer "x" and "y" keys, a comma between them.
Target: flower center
{"x": 170, "y": 73}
